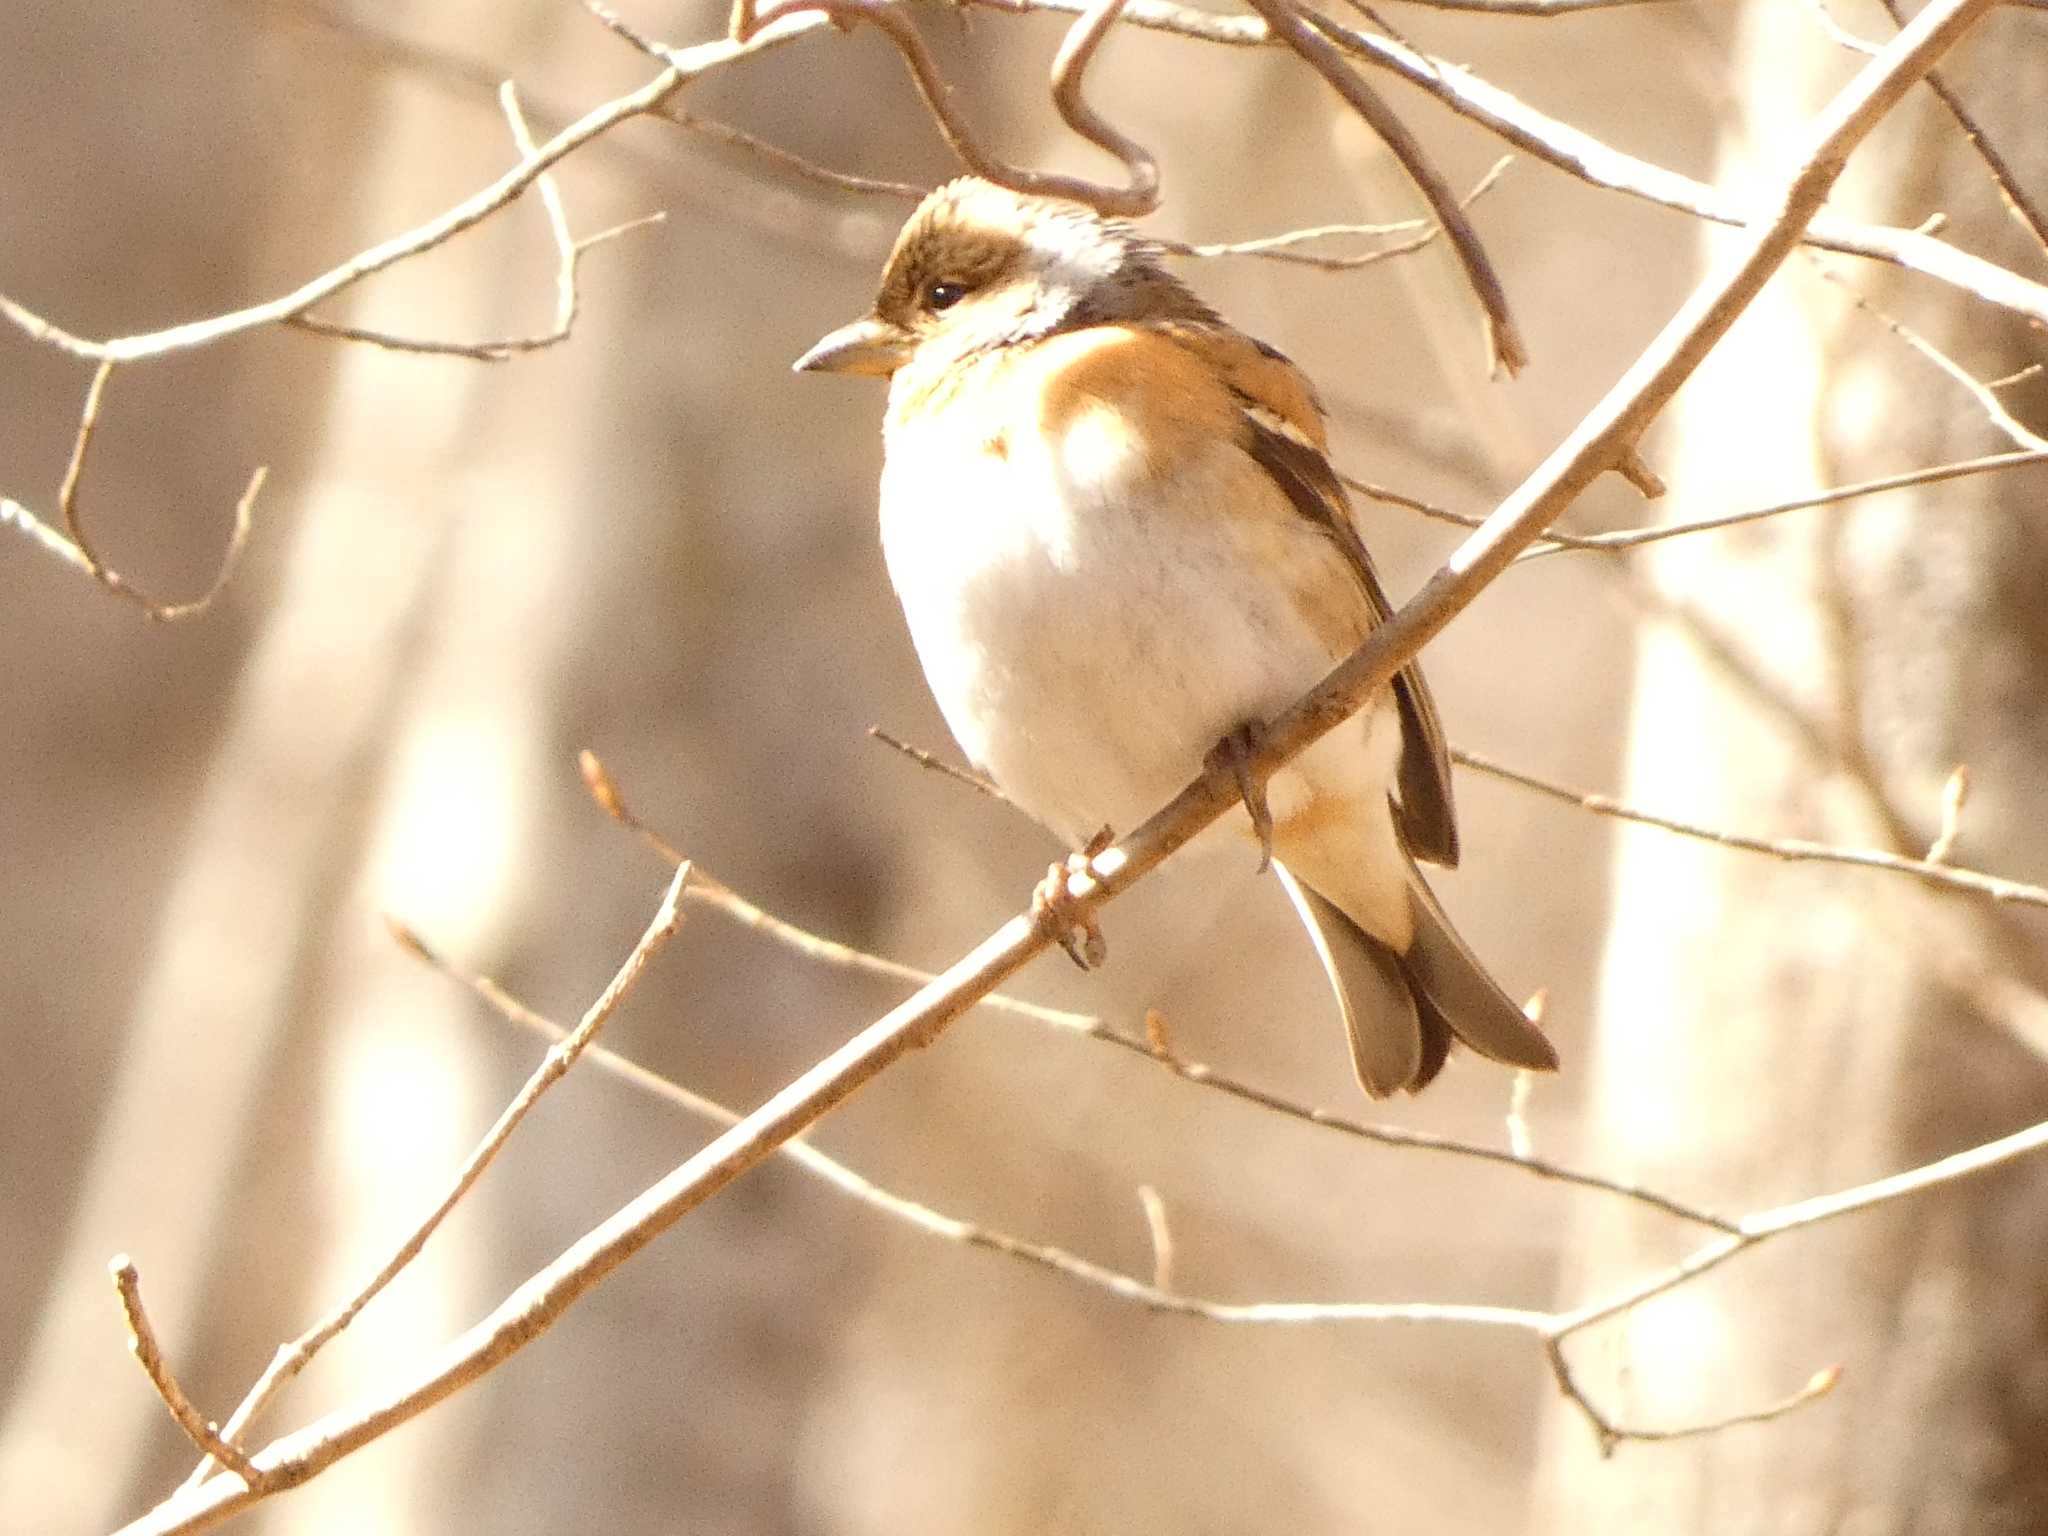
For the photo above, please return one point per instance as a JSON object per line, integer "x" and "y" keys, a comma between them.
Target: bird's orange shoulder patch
{"x": 1164, "y": 396}
{"x": 1260, "y": 375}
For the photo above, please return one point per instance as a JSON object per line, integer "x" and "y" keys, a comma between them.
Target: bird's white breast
{"x": 1092, "y": 622}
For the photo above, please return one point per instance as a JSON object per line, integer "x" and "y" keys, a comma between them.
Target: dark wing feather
{"x": 1427, "y": 820}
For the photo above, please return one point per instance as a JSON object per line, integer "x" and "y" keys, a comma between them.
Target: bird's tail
{"x": 1402, "y": 1008}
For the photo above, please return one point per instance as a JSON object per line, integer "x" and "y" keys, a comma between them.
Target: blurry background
{"x": 655, "y": 542}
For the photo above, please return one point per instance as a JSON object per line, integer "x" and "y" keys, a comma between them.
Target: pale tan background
{"x": 657, "y": 543}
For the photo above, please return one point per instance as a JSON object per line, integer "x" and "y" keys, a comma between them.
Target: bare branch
{"x": 2023, "y": 437}
{"x": 1790, "y": 849}
{"x": 1635, "y": 538}
{"x": 1551, "y": 1328}
{"x": 569, "y": 252}
{"x": 791, "y": 162}
{"x": 1581, "y": 155}
{"x": 941, "y": 767}
{"x": 295, "y": 1356}
{"x": 683, "y": 67}
{"x": 1140, "y": 194}
{"x": 1610, "y": 1433}
{"x": 1553, "y": 541}
{"x": 142, "y": 1343}
{"x": 1280, "y": 247}
{"x": 1504, "y": 343}
{"x": 2017, "y": 202}
{"x": 76, "y": 550}
{"x": 1155, "y": 1045}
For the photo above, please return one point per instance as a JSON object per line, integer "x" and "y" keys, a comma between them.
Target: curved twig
{"x": 1579, "y": 154}
{"x": 1288, "y": 23}
{"x": 1140, "y": 194}
{"x": 76, "y": 549}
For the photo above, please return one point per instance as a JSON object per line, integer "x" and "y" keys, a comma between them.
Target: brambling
{"x": 1120, "y": 545}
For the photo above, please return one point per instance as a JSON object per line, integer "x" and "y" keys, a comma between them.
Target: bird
{"x": 1120, "y": 547}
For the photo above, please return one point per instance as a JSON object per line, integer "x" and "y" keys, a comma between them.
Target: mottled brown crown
{"x": 1029, "y": 267}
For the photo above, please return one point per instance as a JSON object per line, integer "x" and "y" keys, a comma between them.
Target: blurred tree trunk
{"x": 374, "y": 753}
{"x": 1772, "y": 1030}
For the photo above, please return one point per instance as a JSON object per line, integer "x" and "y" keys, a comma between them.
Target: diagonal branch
{"x": 294, "y": 1357}
{"x": 1503, "y": 339}
{"x": 569, "y": 253}
{"x": 2015, "y": 196}
{"x": 1591, "y": 160}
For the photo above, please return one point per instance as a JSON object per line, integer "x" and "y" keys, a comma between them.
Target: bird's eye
{"x": 944, "y": 295}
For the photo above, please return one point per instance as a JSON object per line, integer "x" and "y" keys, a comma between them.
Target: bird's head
{"x": 979, "y": 267}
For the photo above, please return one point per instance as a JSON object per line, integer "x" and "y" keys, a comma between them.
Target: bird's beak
{"x": 870, "y": 346}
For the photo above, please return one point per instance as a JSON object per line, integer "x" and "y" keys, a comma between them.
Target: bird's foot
{"x": 1052, "y": 905}
{"x": 1233, "y": 755}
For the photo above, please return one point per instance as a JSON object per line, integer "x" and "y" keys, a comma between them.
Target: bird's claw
{"x": 1234, "y": 754}
{"x": 1052, "y": 905}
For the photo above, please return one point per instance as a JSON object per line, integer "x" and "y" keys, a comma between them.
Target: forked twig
{"x": 2010, "y": 188}
{"x": 1588, "y": 159}
{"x": 1139, "y": 195}
{"x": 293, "y": 1358}
{"x": 1300, "y": 31}
{"x": 569, "y": 258}
{"x": 1552, "y": 1329}
{"x": 76, "y": 549}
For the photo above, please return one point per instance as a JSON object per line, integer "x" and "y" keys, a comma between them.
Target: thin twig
{"x": 1504, "y": 344}
{"x": 569, "y": 257}
{"x": 791, "y": 162}
{"x": 295, "y": 1356}
{"x": 1634, "y": 538}
{"x": 2023, "y": 437}
{"x": 1955, "y": 794}
{"x": 1160, "y": 1232}
{"x": 199, "y": 1429}
{"x": 940, "y": 766}
{"x": 1280, "y": 247}
{"x": 2011, "y": 190}
{"x": 470, "y": 211}
{"x": 1520, "y": 1141}
{"x": 76, "y": 550}
{"x": 708, "y": 890}
{"x": 1139, "y": 195}
{"x": 1790, "y": 849}
{"x": 1588, "y": 159}
{"x": 1838, "y": 33}
{"x": 1756, "y": 1228}
{"x": 1611, "y": 1433}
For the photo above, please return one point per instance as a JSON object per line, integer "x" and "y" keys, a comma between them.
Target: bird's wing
{"x": 1281, "y": 427}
